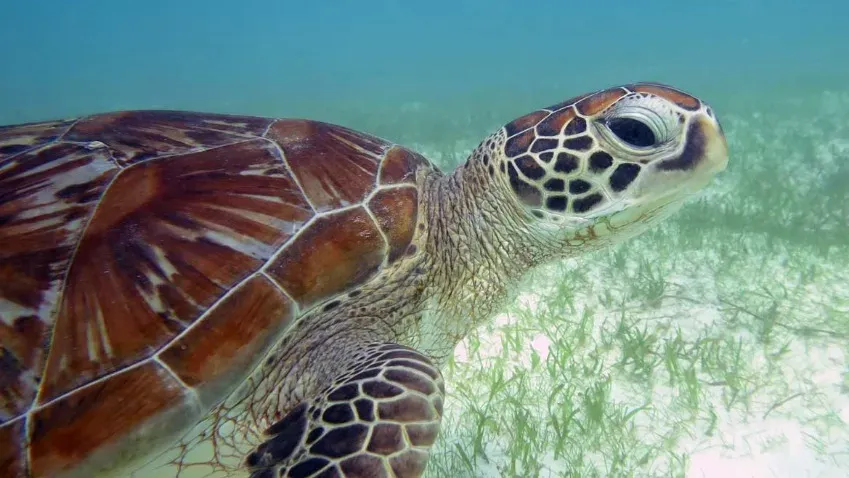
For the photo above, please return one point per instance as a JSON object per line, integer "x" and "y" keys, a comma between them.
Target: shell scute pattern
{"x": 148, "y": 257}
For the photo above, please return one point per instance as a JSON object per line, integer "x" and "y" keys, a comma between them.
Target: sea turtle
{"x": 240, "y": 295}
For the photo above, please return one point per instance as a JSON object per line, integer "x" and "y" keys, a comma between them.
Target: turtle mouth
{"x": 704, "y": 155}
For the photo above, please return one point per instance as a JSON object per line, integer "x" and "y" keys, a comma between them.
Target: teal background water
{"x": 327, "y": 59}
{"x": 715, "y": 345}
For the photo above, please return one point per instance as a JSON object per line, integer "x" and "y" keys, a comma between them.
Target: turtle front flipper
{"x": 378, "y": 419}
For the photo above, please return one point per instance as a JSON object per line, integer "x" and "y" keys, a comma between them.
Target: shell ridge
{"x": 177, "y": 378}
{"x": 291, "y": 171}
{"x": 54, "y": 315}
{"x": 74, "y": 122}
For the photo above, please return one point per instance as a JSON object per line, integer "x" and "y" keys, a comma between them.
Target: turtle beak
{"x": 704, "y": 154}
{"x": 715, "y": 156}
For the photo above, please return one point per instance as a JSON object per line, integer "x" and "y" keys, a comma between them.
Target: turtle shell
{"x": 149, "y": 259}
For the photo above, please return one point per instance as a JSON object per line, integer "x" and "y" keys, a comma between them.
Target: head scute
{"x": 584, "y": 158}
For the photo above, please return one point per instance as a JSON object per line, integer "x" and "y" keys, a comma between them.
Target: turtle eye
{"x": 632, "y": 131}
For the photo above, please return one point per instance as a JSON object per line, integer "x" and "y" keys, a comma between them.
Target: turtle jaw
{"x": 664, "y": 186}
{"x": 703, "y": 155}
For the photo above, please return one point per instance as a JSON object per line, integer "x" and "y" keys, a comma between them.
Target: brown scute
{"x": 577, "y": 126}
{"x": 386, "y": 439}
{"x": 66, "y": 432}
{"x": 396, "y": 211}
{"x": 553, "y": 125}
{"x": 231, "y": 337}
{"x": 520, "y": 144}
{"x": 526, "y": 192}
{"x": 410, "y": 380}
{"x": 522, "y": 123}
{"x": 600, "y": 101}
{"x": 678, "y": 97}
{"x": 39, "y": 227}
{"x": 336, "y": 166}
{"x": 46, "y": 197}
{"x": 341, "y": 441}
{"x": 381, "y": 389}
{"x": 363, "y": 466}
{"x": 170, "y": 237}
{"x": 422, "y": 434}
{"x": 12, "y": 451}
{"x": 21, "y": 351}
{"x": 409, "y": 408}
{"x": 16, "y": 139}
{"x": 400, "y": 166}
{"x": 135, "y": 136}
{"x": 334, "y": 253}
{"x": 565, "y": 104}
{"x": 409, "y": 463}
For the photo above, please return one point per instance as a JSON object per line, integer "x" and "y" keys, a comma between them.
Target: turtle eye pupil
{"x": 634, "y": 132}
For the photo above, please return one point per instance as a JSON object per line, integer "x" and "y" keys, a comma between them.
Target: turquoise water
{"x": 714, "y": 345}
{"x": 340, "y": 60}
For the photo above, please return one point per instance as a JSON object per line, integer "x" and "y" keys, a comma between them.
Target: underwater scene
{"x": 714, "y": 344}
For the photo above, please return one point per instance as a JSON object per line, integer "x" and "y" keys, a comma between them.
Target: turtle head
{"x": 606, "y": 165}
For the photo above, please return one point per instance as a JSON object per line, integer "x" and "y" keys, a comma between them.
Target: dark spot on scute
{"x": 331, "y": 472}
{"x": 577, "y": 126}
{"x": 365, "y": 409}
{"x": 331, "y": 305}
{"x": 694, "y": 149}
{"x": 14, "y": 149}
{"x": 529, "y": 167}
{"x": 308, "y": 467}
{"x": 339, "y": 413}
{"x": 554, "y": 185}
{"x": 546, "y": 156}
{"x": 623, "y": 175}
{"x": 381, "y": 389}
{"x": 502, "y": 167}
{"x": 412, "y": 249}
{"x": 485, "y": 159}
{"x": 430, "y": 372}
{"x": 263, "y": 473}
{"x": 543, "y": 144}
{"x": 291, "y": 421}
{"x": 345, "y": 392}
{"x": 526, "y": 193}
{"x": 314, "y": 435}
{"x": 341, "y": 441}
{"x": 599, "y": 161}
{"x": 581, "y": 143}
{"x": 537, "y": 214}
{"x": 371, "y": 373}
{"x": 81, "y": 193}
{"x": 285, "y": 435}
{"x": 491, "y": 171}
{"x": 586, "y": 203}
{"x": 556, "y": 203}
{"x": 518, "y": 145}
{"x": 566, "y": 163}
{"x": 578, "y": 186}
{"x": 401, "y": 354}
